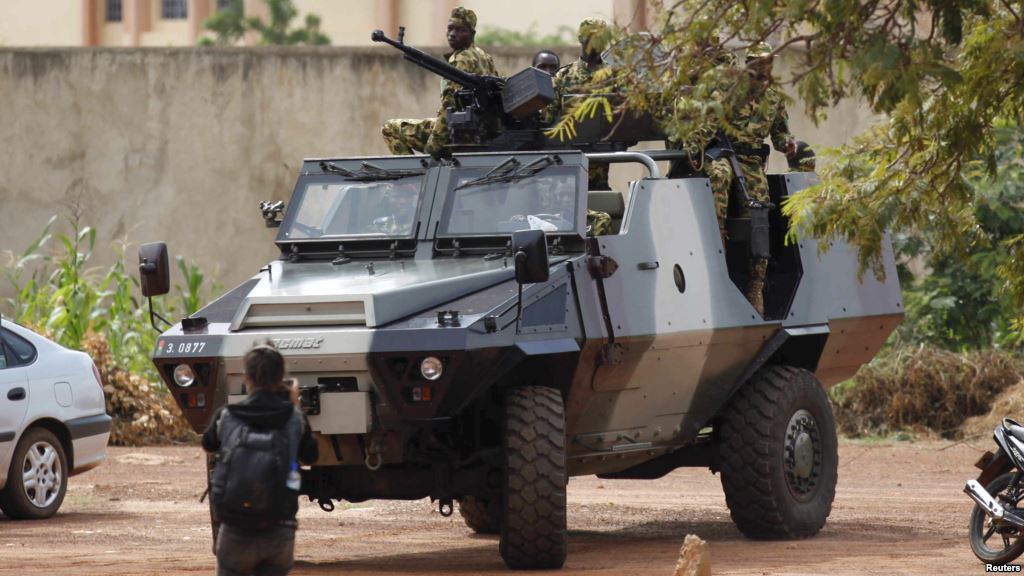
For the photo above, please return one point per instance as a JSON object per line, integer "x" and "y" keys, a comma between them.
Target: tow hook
{"x": 373, "y": 459}
{"x": 445, "y": 507}
{"x": 326, "y": 504}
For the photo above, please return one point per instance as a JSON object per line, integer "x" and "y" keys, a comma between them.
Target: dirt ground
{"x": 899, "y": 509}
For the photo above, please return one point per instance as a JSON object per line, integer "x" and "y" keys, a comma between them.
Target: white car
{"x": 53, "y": 422}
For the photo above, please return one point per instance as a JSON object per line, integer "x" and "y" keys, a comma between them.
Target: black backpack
{"x": 249, "y": 486}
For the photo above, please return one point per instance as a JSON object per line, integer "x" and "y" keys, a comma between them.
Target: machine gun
{"x": 492, "y": 113}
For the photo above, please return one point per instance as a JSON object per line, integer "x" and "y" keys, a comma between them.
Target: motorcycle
{"x": 997, "y": 522}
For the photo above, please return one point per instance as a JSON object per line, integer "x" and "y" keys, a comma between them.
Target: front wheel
{"x": 37, "y": 479}
{"x": 994, "y": 541}
{"x": 533, "y": 527}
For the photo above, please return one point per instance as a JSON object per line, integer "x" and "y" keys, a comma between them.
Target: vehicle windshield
{"x": 546, "y": 201}
{"x": 329, "y": 207}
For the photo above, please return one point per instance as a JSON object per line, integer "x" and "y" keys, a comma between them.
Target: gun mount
{"x": 492, "y": 113}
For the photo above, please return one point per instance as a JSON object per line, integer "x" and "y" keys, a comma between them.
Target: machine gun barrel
{"x": 435, "y": 65}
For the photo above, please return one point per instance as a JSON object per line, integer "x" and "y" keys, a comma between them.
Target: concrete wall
{"x": 181, "y": 144}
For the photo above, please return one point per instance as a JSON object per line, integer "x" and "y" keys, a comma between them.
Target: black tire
{"x": 39, "y": 458}
{"x": 980, "y": 526}
{"x": 482, "y": 516}
{"x": 778, "y": 454}
{"x": 211, "y": 461}
{"x": 533, "y": 526}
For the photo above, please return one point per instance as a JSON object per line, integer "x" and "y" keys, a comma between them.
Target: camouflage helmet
{"x": 463, "y": 16}
{"x": 594, "y": 35}
{"x": 759, "y": 50}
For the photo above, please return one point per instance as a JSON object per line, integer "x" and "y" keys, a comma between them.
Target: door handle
{"x": 16, "y": 393}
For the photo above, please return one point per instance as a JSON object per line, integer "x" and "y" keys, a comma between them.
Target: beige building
{"x": 346, "y": 22}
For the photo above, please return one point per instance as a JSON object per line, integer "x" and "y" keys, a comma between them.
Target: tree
{"x": 947, "y": 75}
{"x": 230, "y": 24}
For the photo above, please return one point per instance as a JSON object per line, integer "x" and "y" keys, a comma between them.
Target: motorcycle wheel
{"x": 992, "y": 541}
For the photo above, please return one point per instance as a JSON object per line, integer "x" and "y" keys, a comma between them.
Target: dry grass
{"x": 1009, "y": 402}
{"x": 142, "y": 411}
{"x": 928, "y": 388}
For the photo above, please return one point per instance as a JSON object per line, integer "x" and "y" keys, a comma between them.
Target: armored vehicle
{"x": 457, "y": 335}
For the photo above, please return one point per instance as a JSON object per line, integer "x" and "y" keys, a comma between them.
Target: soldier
{"x": 594, "y": 36}
{"x": 751, "y": 117}
{"x": 430, "y": 135}
{"x": 547, "y": 61}
{"x": 399, "y": 207}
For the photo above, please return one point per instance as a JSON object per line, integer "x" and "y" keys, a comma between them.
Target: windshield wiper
{"x": 513, "y": 173}
{"x": 369, "y": 172}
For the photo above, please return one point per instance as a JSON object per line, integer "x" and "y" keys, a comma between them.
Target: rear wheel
{"x": 778, "y": 453}
{"x": 37, "y": 478}
{"x": 533, "y": 527}
{"x": 995, "y": 541}
{"x": 482, "y": 516}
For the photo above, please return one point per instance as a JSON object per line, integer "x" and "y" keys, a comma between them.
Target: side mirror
{"x": 530, "y": 248}
{"x": 272, "y": 213}
{"x": 154, "y": 269}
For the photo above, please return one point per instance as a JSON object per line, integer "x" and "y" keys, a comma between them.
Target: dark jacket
{"x": 264, "y": 409}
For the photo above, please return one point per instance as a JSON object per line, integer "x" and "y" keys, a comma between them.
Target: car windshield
{"x": 545, "y": 201}
{"x": 327, "y": 207}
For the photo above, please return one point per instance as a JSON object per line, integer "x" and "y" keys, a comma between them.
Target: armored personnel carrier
{"x": 457, "y": 335}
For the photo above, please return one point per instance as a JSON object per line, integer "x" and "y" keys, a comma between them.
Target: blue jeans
{"x": 244, "y": 553}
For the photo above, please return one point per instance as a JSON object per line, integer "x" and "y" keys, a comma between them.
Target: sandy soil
{"x": 899, "y": 509}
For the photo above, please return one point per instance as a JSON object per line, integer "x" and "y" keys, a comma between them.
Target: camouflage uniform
{"x": 403, "y": 136}
{"x": 594, "y": 35}
{"x": 761, "y": 114}
{"x": 574, "y": 78}
{"x": 407, "y": 135}
{"x": 598, "y": 223}
{"x": 473, "y": 60}
{"x": 749, "y": 119}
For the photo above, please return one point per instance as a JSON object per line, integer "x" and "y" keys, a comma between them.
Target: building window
{"x": 174, "y": 9}
{"x": 114, "y": 12}
{"x": 224, "y": 4}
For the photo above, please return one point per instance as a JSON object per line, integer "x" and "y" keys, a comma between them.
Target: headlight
{"x": 184, "y": 376}
{"x": 431, "y": 368}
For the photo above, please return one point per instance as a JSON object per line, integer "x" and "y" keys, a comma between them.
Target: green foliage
{"x": 230, "y": 24}
{"x": 962, "y": 303}
{"x": 945, "y": 75}
{"x": 497, "y": 36}
{"x": 55, "y": 292}
{"x": 227, "y": 25}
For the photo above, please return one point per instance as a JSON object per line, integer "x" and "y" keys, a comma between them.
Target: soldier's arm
{"x": 782, "y": 140}
{"x": 211, "y": 437}
{"x": 553, "y": 112}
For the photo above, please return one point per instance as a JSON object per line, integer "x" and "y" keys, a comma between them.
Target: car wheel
{"x": 533, "y": 526}
{"x": 778, "y": 454}
{"x": 37, "y": 479}
{"x": 482, "y": 516}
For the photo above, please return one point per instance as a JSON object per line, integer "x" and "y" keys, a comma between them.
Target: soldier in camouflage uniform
{"x": 430, "y": 135}
{"x": 594, "y": 36}
{"x": 750, "y": 118}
